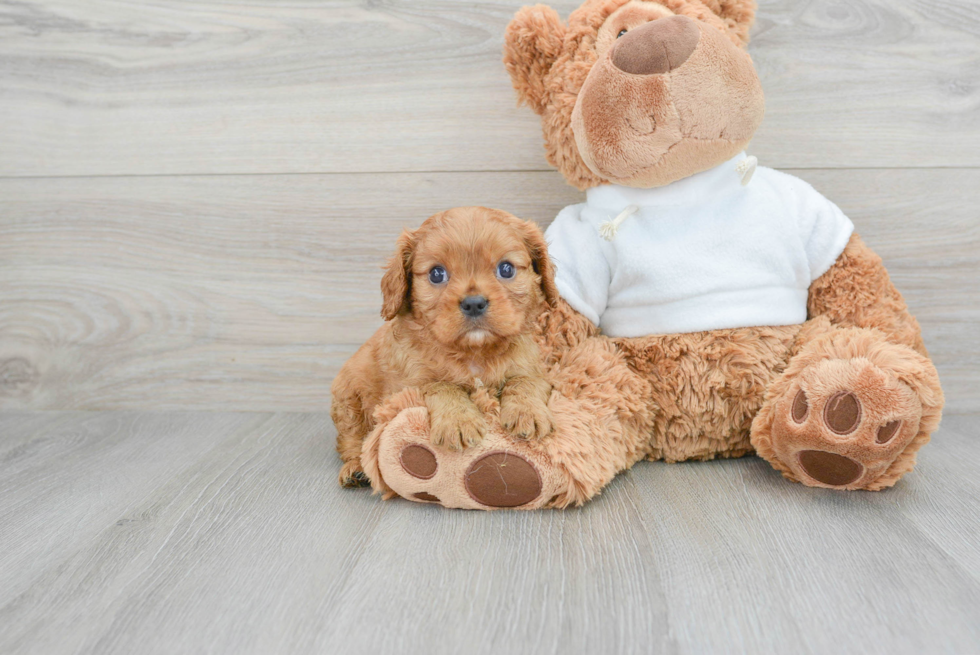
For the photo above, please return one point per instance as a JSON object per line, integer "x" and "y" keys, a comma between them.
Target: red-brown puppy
{"x": 461, "y": 296}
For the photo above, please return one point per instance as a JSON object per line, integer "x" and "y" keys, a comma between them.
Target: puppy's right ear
{"x": 533, "y": 41}
{"x": 396, "y": 283}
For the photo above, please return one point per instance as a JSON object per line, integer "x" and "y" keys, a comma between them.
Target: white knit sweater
{"x": 704, "y": 253}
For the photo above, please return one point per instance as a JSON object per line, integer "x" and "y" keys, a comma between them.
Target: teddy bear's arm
{"x": 532, "y": 42}
{"x": 857, "y": 291}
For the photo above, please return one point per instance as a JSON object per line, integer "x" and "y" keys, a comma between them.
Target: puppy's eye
{"x": 621, "y": 32}
{"x": 505, "y": 270}
{"x": 438, "y": 275}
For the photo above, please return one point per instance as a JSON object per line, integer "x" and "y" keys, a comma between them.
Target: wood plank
{"x": 579, "y": 581}
{"x": 65, "y": 480}
{"x": 756, "y": 564}
{"x": 18, "y": 428}
{"x": 249, "y": 292}
{"x": 104, "y": 87}
{"x": 207, "y": 292}
{"x": 945, "y": 492}
{"x": 234, "y": 550}
{"x": 252, "y": 548}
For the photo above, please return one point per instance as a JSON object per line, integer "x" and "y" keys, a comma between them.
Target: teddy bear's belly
{"x": 707, "y": 386}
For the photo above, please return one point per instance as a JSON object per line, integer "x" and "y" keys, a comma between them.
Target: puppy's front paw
{"x": 457, "y": 429}
{"x": 351, "y": 476}
{"x": 526, "y": 418}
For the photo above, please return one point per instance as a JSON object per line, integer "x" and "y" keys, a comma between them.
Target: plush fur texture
{"x": 429, "y": 343}
{"x": 599, "y": 406}
{"x": 599, "y": 122}
{"x": 698, "y": 396}
{"x": 652, "y": 129}
{"x": 843, "y": 401}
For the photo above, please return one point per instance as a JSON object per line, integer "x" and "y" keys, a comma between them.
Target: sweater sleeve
{"x": 824, "y": 228}
{"x": 581, "y": 269}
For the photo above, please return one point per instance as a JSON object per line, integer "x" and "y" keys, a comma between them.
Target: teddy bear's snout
{"x": 657, "y": 47}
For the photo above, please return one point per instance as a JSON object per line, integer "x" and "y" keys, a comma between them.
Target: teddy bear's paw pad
{"x": 830, "y": 468}
{"x": 502, "y": 479}
{"x": 419, "y": 462}
{"x": 843, "y": 422}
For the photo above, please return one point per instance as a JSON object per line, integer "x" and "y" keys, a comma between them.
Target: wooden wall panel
{"x": 248, "y": 292}
{"x": 110, "y": 87}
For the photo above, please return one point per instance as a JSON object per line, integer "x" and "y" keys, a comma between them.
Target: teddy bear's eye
{"x": 438, "y": 275}
{"x": 621, "y": 32}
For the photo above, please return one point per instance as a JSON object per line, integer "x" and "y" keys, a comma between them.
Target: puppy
{"x": 461, "y": 297}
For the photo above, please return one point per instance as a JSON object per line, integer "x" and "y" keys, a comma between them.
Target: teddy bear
{"x": 710, "y": 307}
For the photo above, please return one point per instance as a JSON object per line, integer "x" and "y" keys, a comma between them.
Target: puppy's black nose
{"x": 474, "y": 306}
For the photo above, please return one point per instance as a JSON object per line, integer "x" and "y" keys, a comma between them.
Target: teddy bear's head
{"x": 638, "y": 92}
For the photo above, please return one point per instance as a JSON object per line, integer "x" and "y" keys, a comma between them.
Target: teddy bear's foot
{"x": 498, "y": 473}
{"x": 854, "y": 422}
{"x": 601, "y": 427}
{"x": 843, "y": 423}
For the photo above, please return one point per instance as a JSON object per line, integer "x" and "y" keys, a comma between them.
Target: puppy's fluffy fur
{"x": 430, "y": 343}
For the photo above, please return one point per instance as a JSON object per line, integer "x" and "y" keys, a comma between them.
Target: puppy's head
{"x": 471, "y": 277}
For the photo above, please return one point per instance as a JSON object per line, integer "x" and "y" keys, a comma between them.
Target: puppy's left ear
{"x": 538, "y": 247}
{"x": 396, "y": 284}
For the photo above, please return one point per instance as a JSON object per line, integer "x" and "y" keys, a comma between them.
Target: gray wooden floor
{"x": 195, "y": 199}
{"x": 182, "y": 532}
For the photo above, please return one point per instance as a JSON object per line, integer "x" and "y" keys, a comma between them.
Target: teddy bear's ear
{"x": 533, "y": 41}
{"x": 738, "y": 14}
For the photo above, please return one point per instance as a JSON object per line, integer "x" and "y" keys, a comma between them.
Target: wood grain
{"x": 109, "y": 87}
{"x": 249, "y": 292}
{"x": 826, "y": 571}
{"x": 237, "y": 539}
{"x": 90, "y": 468}
{"x": 195, "y": 200}
{"x": 947, "y": 495}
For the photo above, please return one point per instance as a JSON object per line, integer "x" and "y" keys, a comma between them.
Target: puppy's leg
{"x": 524, "y": 407}
{"x": 455, "y": 422}
{"x": 351, "y": 416}
{"x": 352, "y": 427}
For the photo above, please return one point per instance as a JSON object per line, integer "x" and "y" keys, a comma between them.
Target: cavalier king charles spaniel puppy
{"x": 462, "y": 294}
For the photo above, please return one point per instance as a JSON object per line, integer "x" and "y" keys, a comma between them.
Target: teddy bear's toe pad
{"x": 842, "y": 413}
{"x": 502, "y": 479}
{"x": 419, "y": 462}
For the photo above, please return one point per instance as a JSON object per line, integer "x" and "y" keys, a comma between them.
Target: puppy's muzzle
{"x": 474, "y": 306}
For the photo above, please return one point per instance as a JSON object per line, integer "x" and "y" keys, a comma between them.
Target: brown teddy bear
{"x": 710, "y": 307}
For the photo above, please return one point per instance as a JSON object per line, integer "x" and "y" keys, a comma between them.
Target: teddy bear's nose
{"x": 657, "y": 47}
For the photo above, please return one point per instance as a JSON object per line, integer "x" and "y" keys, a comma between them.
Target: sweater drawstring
{"x": 608, "y": 229}
{"x": 746, "y": 168}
